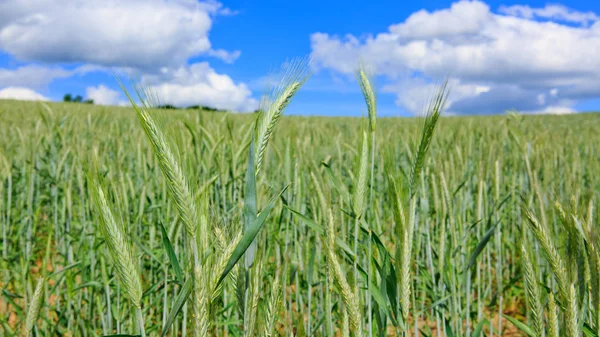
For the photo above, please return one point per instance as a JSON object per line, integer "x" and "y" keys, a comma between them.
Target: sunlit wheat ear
{"x": 572, "y": 314}
{"x": 361, "y": 184}
{"x": 34, "y": 306}
{"x": 118, "y": 247}
{"x": 221, "y": 241}
{"x": 404, "y": 232}
{"x": 349, "y": 299}
{"x": 533, "y": 292}
{"x": 590, "y": 216}
{"x": 222, "y": 259}
{"x": 239, "y": 286}
{"x": 436, "y": 106}
{"x": 253, "y": 297}
{"x": 366, "y": 86}
{"x": 272, "y": 311}
{"x": 552, "y": 256}
{"x": 272, "y": 106}
{"x": 4, "y": 166}
{"x": 176, "y": 181}
{"x": 553, "y": 329}
{"x": 201, "y": 301}
{"x": 345, "y": 325}
{"x": 406, "y": 267}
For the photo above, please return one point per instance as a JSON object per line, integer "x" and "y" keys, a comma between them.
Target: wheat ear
{"x": 35, "y": 304}
{"x": 361, "y": 184}
{"x": 176, "y": 182}
{"x": 120, "y": 253}
{"x": 119, "y": 249}
{"x": 273, "y": 105}
{"x": 201, "y": 301}
{"x": 366, "y": 86}
{"x": 273, "y": 307}
{"x": 552, "y": 256}
{"x": 533, "y": 292}
{"x": 348, "y": 297}
{"x": 553, "y": 330}
{"x": 572, "y": 314}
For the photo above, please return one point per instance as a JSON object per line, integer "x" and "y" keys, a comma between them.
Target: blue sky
{"x": 528, "y": 55}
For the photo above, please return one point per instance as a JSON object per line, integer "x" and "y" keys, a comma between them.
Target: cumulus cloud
{"x": 133, "y": 33}
{"x": 104, "y": 95}
{"x": 149, "y": 39}
{"x": 226, "y": 56}
{"x": 199, "y": 84}
{"x": 556, "y": 110}
{"x": 495, "y": 61}
{"x": 217, "y": 8}
{"x": 551, "y": 12}
{"x": 23, "y": 94}
{"x": 33, "y": 76}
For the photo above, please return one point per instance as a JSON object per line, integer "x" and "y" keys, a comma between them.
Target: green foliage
{"x": 68, "y": 98}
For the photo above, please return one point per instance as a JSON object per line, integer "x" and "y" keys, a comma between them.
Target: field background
{"x": 480, "y": 173}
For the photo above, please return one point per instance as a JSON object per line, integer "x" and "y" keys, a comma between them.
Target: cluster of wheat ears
{"x": 417, "y": 272}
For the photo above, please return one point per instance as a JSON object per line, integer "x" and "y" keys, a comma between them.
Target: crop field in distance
{"x": 136, "y": 221}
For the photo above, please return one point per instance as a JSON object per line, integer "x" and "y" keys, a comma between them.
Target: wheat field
{"x": 138, "y": 221}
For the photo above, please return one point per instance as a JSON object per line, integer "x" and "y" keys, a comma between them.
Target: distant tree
{"x": 209, "y": 108}
{"x": 167, "y": 107}
{"x": 77, "y": 99}
{"x": 190, "y": 107}
{"x": 203, "y": 107}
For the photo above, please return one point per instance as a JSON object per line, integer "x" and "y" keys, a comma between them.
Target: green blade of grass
{"x": 250, "y": 205}
{"x": 479, "y": 328}
{"x": 319, "y": 229}
{"x": 588, "y": 332}
{"x": 249, "y": 236}
{"x": 480, "y": 246}
{"x": 171, "y": 254}
{"x": 184, "y": 293}
{"x": 520, "y": 325}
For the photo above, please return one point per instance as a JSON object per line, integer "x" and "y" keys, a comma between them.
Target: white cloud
{"x": 558, "y": 110}
{"x": 133, "y": 33}
{"x": 463, "y": 18}
{"x": 33, "y": 76}
{"x": 552, "y": 12}
{"x": 495, "y": 62}
{"x": 216, "y": 8}
{"x": 23, "y": 94}
{"x": 103, "y": 95}
{"x": 414, "y": 94}
{"x": 227, "y": 57}
{"x": 148, "y": 39}
{"x": 199, "y": 84}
